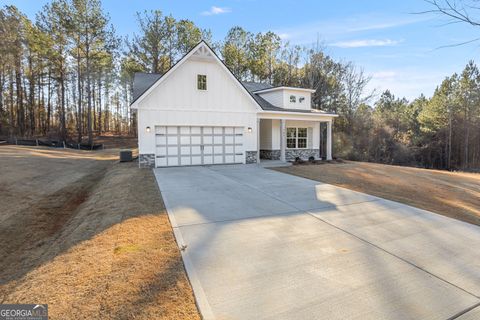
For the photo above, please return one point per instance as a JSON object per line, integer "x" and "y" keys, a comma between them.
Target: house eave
{"x": 283, "y": 88}
{"x": 307, "y": 114}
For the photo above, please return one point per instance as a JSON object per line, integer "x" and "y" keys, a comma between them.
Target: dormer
{"x": 288, "y": 97}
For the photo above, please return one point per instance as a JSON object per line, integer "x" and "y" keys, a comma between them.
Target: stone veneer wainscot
{"x": 270, "y": 154}
{"x": 251, "y": 157}
{"x": 304, "y": 154}
{"x": 146, "y": 160}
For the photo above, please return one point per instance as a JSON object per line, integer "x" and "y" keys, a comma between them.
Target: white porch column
{"x": 258, "y": 140}
{"x": 329, "y": 140}
{"x": 283, "y": 139}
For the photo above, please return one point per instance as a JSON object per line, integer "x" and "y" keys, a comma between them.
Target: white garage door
{"x": 186, "y": 146}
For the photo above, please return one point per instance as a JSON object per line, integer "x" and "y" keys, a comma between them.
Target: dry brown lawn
{"x": 114, "y": 141}
{"x": 453, "y": 194}
{"x": 89, "y": 236}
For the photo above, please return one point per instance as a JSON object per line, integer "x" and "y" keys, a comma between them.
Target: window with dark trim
{"x": 201, "y": 82}
{"x": 297, "y": 138}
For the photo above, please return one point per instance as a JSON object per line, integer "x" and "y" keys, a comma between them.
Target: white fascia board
{"x": 284, "y": 88}
{"x": 296, "y": 116}
{"x": 315, "y": 114}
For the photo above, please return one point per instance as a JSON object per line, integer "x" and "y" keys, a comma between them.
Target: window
{"x": 291, "y": 138}
{"x": 301, "y": 99}
{"x": 293, "y": 99}
{"x": 297, "y": 138}
{"x": 201, "y": 82}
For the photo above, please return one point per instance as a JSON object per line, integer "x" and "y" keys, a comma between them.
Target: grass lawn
{"x": 453, "y": 194}
{"x": 89, "y": 236}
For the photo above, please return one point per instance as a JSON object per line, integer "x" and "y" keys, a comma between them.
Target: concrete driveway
{"x": 266, "y": 245}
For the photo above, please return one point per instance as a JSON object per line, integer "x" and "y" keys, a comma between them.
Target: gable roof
{"x": 202, "y": 45}
{"x": 144, "y": 82}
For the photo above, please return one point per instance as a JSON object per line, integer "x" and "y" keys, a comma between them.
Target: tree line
{"x": 68, "y": 75}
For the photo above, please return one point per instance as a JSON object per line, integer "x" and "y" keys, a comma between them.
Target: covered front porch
{"x": 286, "y": 136}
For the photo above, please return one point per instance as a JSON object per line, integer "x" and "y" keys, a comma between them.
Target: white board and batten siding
{"x": 195, "y": 145}
{"x": 177, "y": 103}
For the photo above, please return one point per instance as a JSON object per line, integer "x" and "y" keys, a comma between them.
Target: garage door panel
{"x": 207, "y": 130}
{"x": 172, "y": 140}
{"x": 172, "y": 161}
{"x": 195, "y": 145}
{"x": 207, "y": 150}
{"x": 196, "y": 160}
{"x": 161, "y": 161}
{"x": 196, "y": 140}
{"x": 196, "y": 150}
{"x": 185, "y": 161}
{"x": 195, "y": 130}
{"x": 185, "y": 150}
{"x": 239, "y": 158}
{"x": 208, "y": 159}
{"x": 207, "y": 139}
{"x": 172, "y": 151}
{"x": 239, "y": 139}
{"x": 161, "y": 151}
{"x": 172, "y": 130}
{"x": 229, "y": 139}
{"x": 160, "y": 130}
{"x": 161, "y": 140}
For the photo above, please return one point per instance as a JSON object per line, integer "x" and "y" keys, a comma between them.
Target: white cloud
{"x": 386, "y": 25}
{"x": 216, "y": 10}
{"x": 365, "y": 43}
{"x": 334, "y": 28}
{"x": 382, "y": 75}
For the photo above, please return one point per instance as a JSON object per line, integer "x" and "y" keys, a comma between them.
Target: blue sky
{"x": 400, "y": 50}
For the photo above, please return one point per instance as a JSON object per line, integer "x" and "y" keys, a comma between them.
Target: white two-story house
{"x": 198, "y": 113}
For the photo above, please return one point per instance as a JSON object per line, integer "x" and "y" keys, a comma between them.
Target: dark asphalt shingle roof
{"x": 143, "y": 81}
{"x": 256, "y": 86}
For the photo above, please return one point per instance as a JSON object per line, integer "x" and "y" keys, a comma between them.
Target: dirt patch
{"x": 456, "y": 195}
{"x": 112, "y": 141}
{"x": 93, "y": 239}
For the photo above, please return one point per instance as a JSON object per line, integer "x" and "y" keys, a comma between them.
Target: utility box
{"x": 126, "y": 155}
